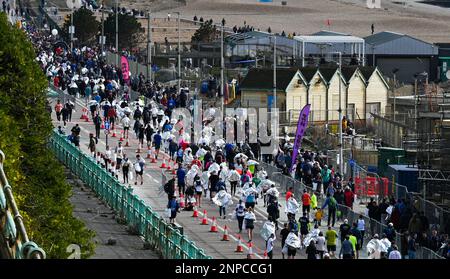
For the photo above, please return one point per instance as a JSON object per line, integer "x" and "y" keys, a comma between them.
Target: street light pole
{"x": 149, "y": 48}
{"x": 117, "y": 33}
{"x": 395, "y": 101}
{"x": 274, "y": 72}
{"x": 102, "y": 40}
{"x": 341, "y": 151}
{"x": 179, "y": 53}
{"x": 222, "y": 69}
{"x": 71, "y": 26}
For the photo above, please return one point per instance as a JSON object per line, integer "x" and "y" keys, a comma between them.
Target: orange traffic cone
{"x": 139, "y": 148}
{"x": 250, "y": 251}
{"x": 114, "y": 133}
{"x": 121, "y": 136}
{"x": 86, "y": 118}
{"x": 126, "y": 144}
{"x": 153, "y": 159}
{"x": 149, "y": 154}
{"x": 205, "y": 218}
{"x": 225, "y": 234}
{"x": 163, "y": 165}
{"x": 168, "y": 166}
{"x": 83, "y": 114}
{"x": 239, "y": 248}
{"x": 265, "y": 255}
{"x": 182, "y": 200}
{"x": 195, "y": 214}
{"x": 214, "y": 225}
{"x": 103, "y": 125}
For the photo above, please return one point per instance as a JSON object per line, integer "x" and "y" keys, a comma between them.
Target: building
{"x": 389, "y": 51}
{"x": 363, "y": 90}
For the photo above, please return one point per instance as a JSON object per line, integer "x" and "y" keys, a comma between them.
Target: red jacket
{"x": 349, "y": 197}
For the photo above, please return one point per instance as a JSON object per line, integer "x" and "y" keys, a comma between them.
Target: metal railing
{"x": 156, "y": 231}
{"x": 343, "y": 212}
{"x": 14, "y": 242}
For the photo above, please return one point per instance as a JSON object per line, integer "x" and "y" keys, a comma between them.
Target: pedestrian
{"x": 240, "y": 213}
{"x": 181, "y": 179}
{"x": 250, "y": 219}
{"x": 118, "y": 152}
{"x": 174, "y": 207}
{"x": 331, "y": 236}
{"x": 321, "y": 245}
{"x": 359, "y": 241}
{"x": 361, "y": 224}
{"x": 311, "y": 251}
{"x": 107, "y": 156}
{"x": 372, "y": 28}
{"x": 332, "y": 204}
{"x": 412, "y": 246}
{"x": 344, "y": 230}
{"x": 65, "y": 115}
{"x": 97, "y": 123}
{"x": 269, "y": 246}
{"x": 304, "y": 226}
{"x": 395, "y": 254}
{"x": 58, "y": 108}
{"x": 274, "y": 212}
{"x": 306, "y": 202}
{"x": 69, "y": 107}
{"x": 157, "y": 142}
{"x": 125, "y": 169}
{"x": 198, "y": 190}
{"x": 233, "y": 178}
{"x": 126, "y": 125}
{"x": 346, "y": 251}
{"x": 93, "y": 141}
{"x": 139, "y": 169}
{"x": 284, "y": 233}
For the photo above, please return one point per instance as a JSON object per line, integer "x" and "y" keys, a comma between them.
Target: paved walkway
{"x": 151, "y": 193}
{"x": 99, "y": 218}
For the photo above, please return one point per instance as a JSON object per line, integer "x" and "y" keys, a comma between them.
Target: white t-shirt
{"x": 126, "y": 122}
{"x": 395, "y": 255}
{"x": 321, "y": 243}
{"x": 361, "y": 224}
{"x": 269, "y": 244}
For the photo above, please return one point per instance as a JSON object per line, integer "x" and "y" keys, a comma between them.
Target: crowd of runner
{"x": 215, "y": 171}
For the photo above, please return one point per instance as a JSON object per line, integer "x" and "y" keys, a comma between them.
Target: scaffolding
{"x": 432, "y": 111}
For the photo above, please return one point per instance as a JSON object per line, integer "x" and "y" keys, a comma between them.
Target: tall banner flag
{"x": 301, "y": 128}
{"x": 125, "y": 69}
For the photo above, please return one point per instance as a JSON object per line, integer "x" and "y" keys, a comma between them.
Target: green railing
{"x": 14, "y": 241}
{"x": 161, "y": 236}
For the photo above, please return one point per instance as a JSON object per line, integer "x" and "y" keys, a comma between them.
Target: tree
{"x": 130, "y": 31}
{"x": 86, "y": 26}
{"x": 206, "y": 33}
{"x": 39, "y": 183}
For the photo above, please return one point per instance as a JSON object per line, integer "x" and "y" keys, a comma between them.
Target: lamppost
{"x": 341, "y": 151}
{"x": 222, "y": 68}
{"x": 274, "y": 71}
{"x": 117, "y": 33}
{"x": 179, "y": 51}
{"x": 149, "y": 47}
{"x": 102, "y": 38}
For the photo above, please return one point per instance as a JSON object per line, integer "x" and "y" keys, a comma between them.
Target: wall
{"x": 333, "y": 97}
{"x": 355, "y": 96}
{"x": 377, "y": 92}
{"x": 317, "y": 98}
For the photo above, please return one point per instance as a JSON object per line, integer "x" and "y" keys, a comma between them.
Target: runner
{"x": 139, "y": 169}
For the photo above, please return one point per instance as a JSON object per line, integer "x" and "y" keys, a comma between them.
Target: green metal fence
{"x": 157, "y": 232}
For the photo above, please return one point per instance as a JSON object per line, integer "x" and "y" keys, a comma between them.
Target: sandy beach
{"x": 426, "y": 22}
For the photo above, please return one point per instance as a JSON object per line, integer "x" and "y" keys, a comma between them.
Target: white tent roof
{"x": 329, "y": 39}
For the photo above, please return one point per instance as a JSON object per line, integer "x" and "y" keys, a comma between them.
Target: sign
{"x": 301, "y": 128}
{"x": 106, "y": 125}
{"x": 125, "y": 69}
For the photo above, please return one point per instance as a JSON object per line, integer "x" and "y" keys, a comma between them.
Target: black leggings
{"x": 125, "y": 174}
{"x": 233, "y": 187}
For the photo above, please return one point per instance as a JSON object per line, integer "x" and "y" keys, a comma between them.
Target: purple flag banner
{"x": 301, "y": 128}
